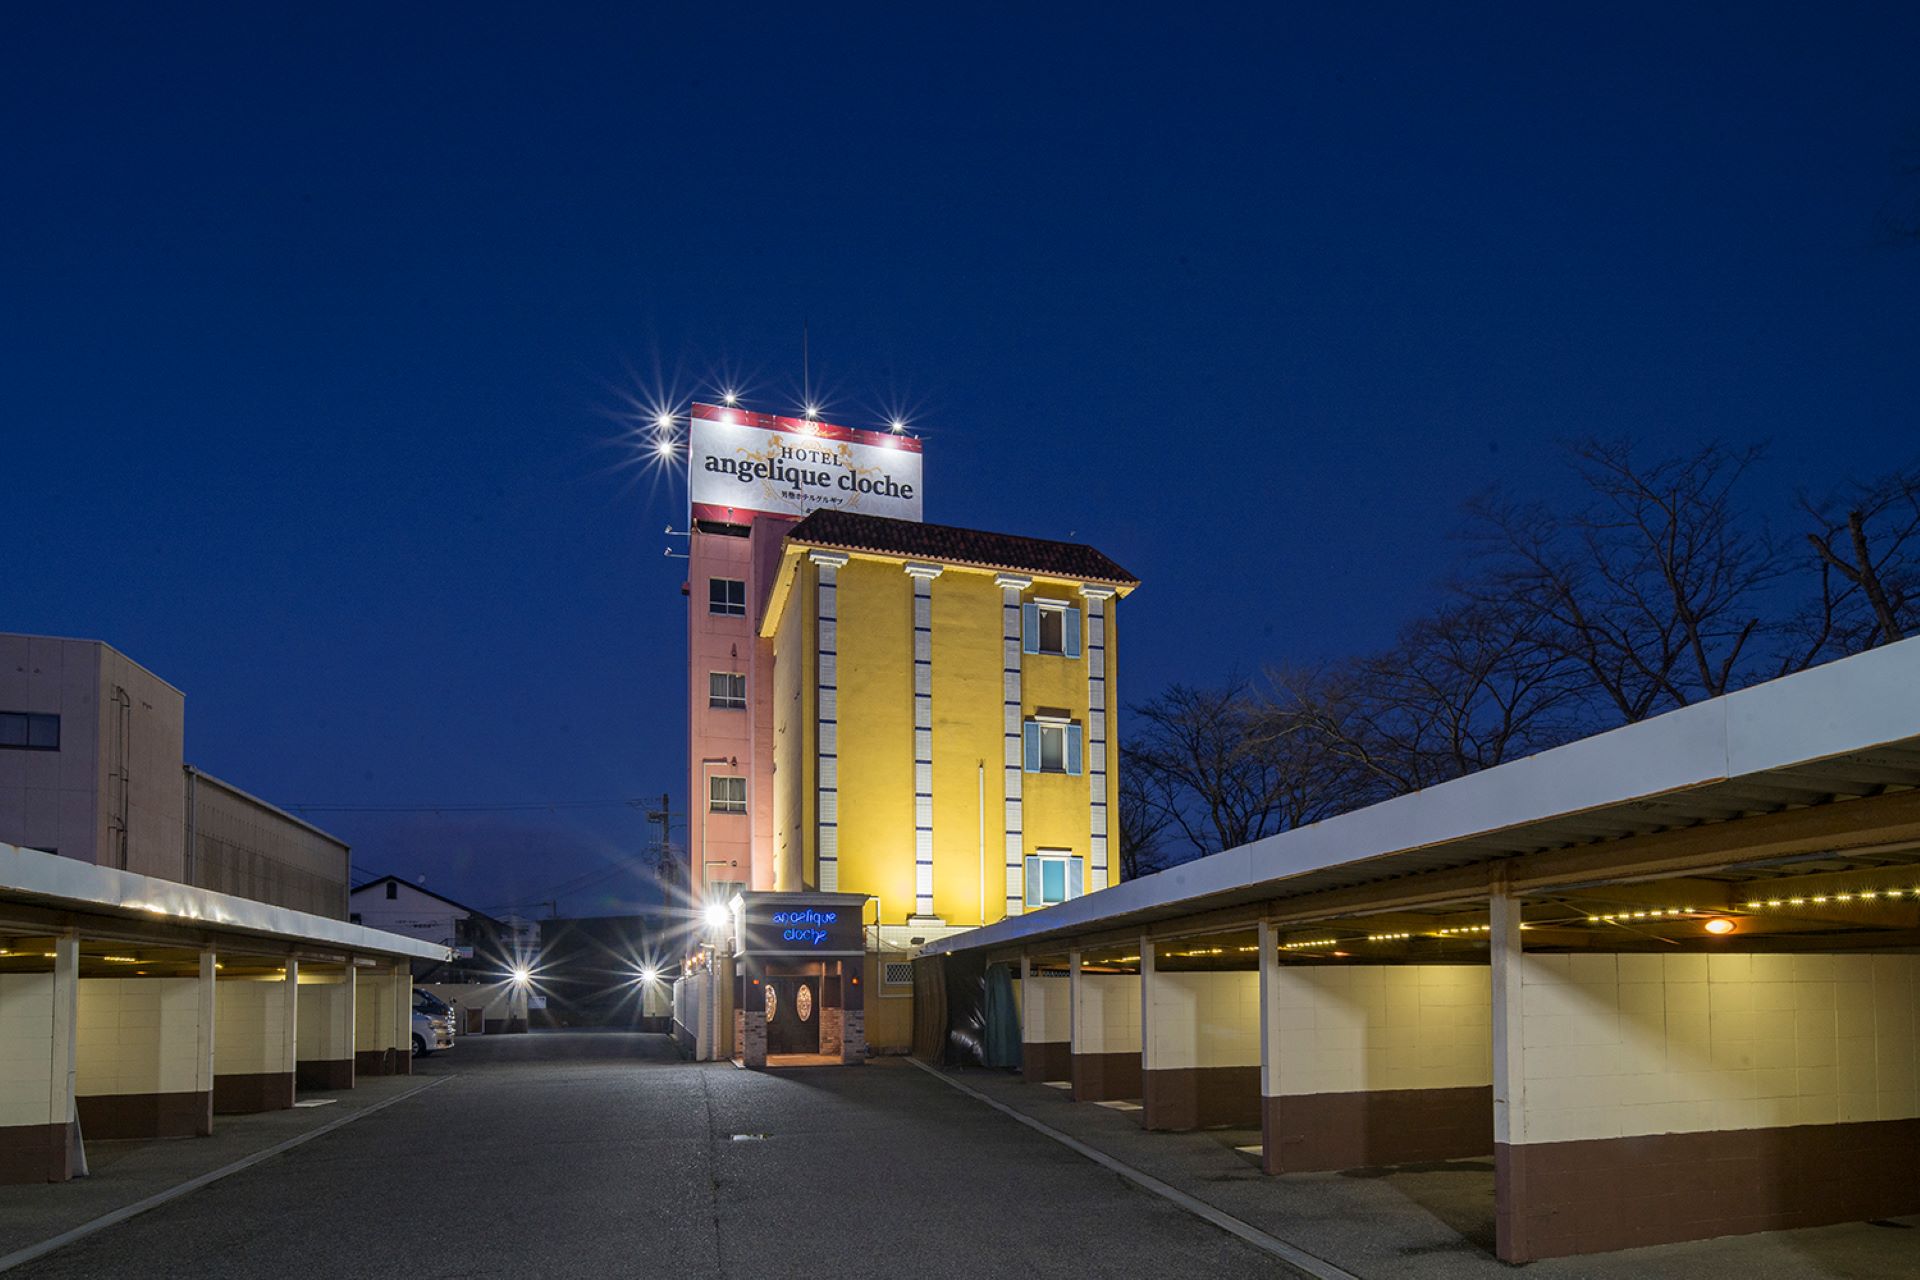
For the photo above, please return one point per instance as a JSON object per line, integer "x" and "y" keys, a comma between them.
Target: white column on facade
{"x": 923, "y": 576}
{"x": 1098, "y": 603}
{"x": 826, "y": 718}
{"x": 1509, "y": 1081}
{"x": 290, "y": 1018}
{"x": 1011, "y": 585}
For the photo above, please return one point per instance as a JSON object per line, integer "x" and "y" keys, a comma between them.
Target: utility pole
{"x": 666, "y": 866}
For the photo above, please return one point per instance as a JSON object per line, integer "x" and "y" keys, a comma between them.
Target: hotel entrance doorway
{"x": 793, "y": 1014}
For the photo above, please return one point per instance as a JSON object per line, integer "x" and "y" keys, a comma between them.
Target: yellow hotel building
{"x": 896, "y": 731}
{"x": 942, "y": 718}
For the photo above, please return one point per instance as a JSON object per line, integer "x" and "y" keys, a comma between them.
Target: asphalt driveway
{"x": 597, "y": 1154}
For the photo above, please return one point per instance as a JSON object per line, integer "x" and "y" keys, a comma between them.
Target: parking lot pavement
{"x": 1431, "y": 1221}
{"x": 126, "y": 1173}
{"x": 579, "y": 1153}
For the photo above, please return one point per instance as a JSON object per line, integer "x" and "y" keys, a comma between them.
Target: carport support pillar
{"x": 1147, "y": 1054}
{"x": 402, "y": 983}
{"x": 1509, "y": 1081}
{"x": 203, "y": 1043}
{"x": 1073, "y": 1010}
{"x": 1269, "y": 1051}
{"x": 290, "y": 1018}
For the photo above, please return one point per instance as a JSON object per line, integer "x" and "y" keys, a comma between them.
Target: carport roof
{"x": 1847, "y": 729}
{"x": 31, "y": 878}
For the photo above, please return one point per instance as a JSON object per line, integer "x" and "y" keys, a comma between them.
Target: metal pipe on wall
{"x": 193, "y": 797}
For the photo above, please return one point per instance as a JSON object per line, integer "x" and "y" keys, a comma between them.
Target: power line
{"x": 523, "y": 807}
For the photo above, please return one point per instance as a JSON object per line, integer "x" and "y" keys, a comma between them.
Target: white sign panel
{"x": 742, "y": 464}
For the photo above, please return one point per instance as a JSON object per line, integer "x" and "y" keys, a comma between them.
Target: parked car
{"x": 432, "y": 1024}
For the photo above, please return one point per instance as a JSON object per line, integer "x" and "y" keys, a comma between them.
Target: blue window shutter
{"x": 1033, "y": 747}
{"x": 1076, "y": 877}
{"x": 1073, "y": 748}
{"x": 1070, "y": 631}
{"x": 1053, "y": 880}
{"x": 1033, "y": 882}
{"x": 1030, "y": 628}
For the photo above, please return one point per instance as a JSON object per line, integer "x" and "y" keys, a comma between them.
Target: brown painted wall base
{"x": 336, "y": 1073}
{"x": 1324, "y": 1131}
{"x": 1041, "y": 1061}
{"x": 145, "y": 1115}
{"x": 36, "y": 1153}
{"x": 377, "y": 1062}
{"x": 1200, "y": 1097}
{"x": 1553, "y": 1199}
{"x": 1106, "y": 1077}
{"x": 263, "y": 1091}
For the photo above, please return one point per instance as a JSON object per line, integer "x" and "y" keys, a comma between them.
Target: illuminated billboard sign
{"x": 743, "y": 464}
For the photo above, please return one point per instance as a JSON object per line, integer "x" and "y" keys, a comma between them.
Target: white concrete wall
{"x": 1622, "y": 1045}
{"x": 323, "y": 1017}
{"x": 27, "y": 1051}
{"x": 1203, "y": 1020}
{"x": 1108, "y": 1020}
{"x": 1354, "y": 1028}
{"x": 138, "y": 1036}
{"x": 1046, "y": 1010}
{"x": 373, "y": 1018}
{"x": 249, "y": 1026}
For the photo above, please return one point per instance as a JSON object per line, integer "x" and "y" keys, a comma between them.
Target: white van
{"x": 432, "y": 1024}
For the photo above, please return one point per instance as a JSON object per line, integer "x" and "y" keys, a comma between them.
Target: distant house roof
{"x": 851, "y": 531}
{"x": 417, "y": 888}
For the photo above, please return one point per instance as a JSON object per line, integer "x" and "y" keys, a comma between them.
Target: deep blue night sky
{"x": 314, "y": 326}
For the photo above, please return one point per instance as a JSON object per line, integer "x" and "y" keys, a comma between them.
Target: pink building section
{"x": 731, "y": 850}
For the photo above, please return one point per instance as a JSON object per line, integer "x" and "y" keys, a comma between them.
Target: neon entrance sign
{"x": 807, "y": 926}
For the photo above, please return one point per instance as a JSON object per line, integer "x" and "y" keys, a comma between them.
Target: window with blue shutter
{"x": 1054, "y": 875}
{"x": 1054, "y": 746}
{"x": 1050, "y": 627}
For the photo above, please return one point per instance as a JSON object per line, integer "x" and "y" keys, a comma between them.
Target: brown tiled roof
{"x": 850, "y": 531}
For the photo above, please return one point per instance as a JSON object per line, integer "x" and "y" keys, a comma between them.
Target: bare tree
{"x": 1865, "y": 542}
{"x": 1218, "y": 769}
{"x": 1144, "y": 813}
{"x": 1465, "y": 688}
{"x": 1654, "y": 584}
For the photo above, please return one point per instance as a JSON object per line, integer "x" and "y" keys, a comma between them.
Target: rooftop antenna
{"x": 806, "y": 373}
